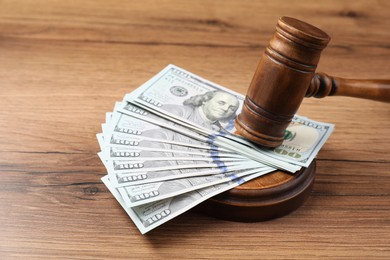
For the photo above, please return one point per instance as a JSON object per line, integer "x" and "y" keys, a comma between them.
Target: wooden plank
{"x": 221, "y": 23}
{"x": 63, "y": 64}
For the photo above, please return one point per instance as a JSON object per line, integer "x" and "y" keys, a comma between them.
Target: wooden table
{"x": 63, "y": 64}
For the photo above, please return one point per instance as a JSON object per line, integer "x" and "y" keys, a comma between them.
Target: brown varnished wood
{"x": 281, "y": 81}
{"x": 267, "y": 181}
{"x": 267, "y": 197}
{"x": 285, "y": 75}
{"x": 323, "y": 85}
{"x": 63, "y": 64}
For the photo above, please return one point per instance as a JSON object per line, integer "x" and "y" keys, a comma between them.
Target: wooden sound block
{"x": 270, "y": 196}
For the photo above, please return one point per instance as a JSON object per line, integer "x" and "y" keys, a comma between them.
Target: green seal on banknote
{"x": 179, "y": 91}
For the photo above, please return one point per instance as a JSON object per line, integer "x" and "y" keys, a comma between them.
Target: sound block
{"x": 270, "y": 196}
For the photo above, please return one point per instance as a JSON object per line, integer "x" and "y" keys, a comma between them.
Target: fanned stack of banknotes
{"x": 171, "y": 144}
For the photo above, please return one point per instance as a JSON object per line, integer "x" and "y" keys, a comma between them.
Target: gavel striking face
{"x": 286, "y": 74}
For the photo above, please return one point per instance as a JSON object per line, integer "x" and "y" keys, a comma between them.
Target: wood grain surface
{"x": 63, "y": 64}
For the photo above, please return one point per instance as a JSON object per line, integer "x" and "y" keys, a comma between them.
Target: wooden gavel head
{"x": 281, "y": 81}
{"x": 286, "y": 74}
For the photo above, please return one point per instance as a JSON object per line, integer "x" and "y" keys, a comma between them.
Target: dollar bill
{"x": 121, "y": 153}
{"x": 127, "y": 131}
{"x": 136, "y": 166}
{"x": 145, "y": 145}
{"x": 214, "y": 139}
{"x": 126, "y": 179}
{"x": 136, "y": 195}
{"x": 117, "y": 140}
{"x": 171, "y": 144}
{"x": 149, "y": 216}
{"x": 170, "y": 131}
{"x": 303, "y": 140}
{"x": 129, "y": 126}
{"x": 177, "y": 94}
{"x": 118, "y": 146}
{"x": 138, "y": 172}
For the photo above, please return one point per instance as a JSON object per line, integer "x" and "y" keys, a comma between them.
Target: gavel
{"x": 286, "y": 74}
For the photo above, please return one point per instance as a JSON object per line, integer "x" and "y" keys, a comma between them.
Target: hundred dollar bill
{"x": 217, "y": 140}
{"x": 168, "y": 131}
{"x": 209, "y": 151}
{"x": 136, "y": 195}
{"x": 123, "y": 152}
{"x": 119, "y": 152}
{"x": 204, "y": 105}
{"x": 113, "y": 153}
{"x": 117, "y": 139}
{"x": 126, "y": 179}
{"x": 302, "y": 141}
{"x": 135, "y": 166}
{"x": 144, "y": 123}
{"x": 144, "y": 134}
{"x": 141, "y": 146}
{"x": 137, "y": 172}
{"x": 149, "y": 216}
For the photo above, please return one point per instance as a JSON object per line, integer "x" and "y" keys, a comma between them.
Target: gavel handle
{"x": 323, "y": 85}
